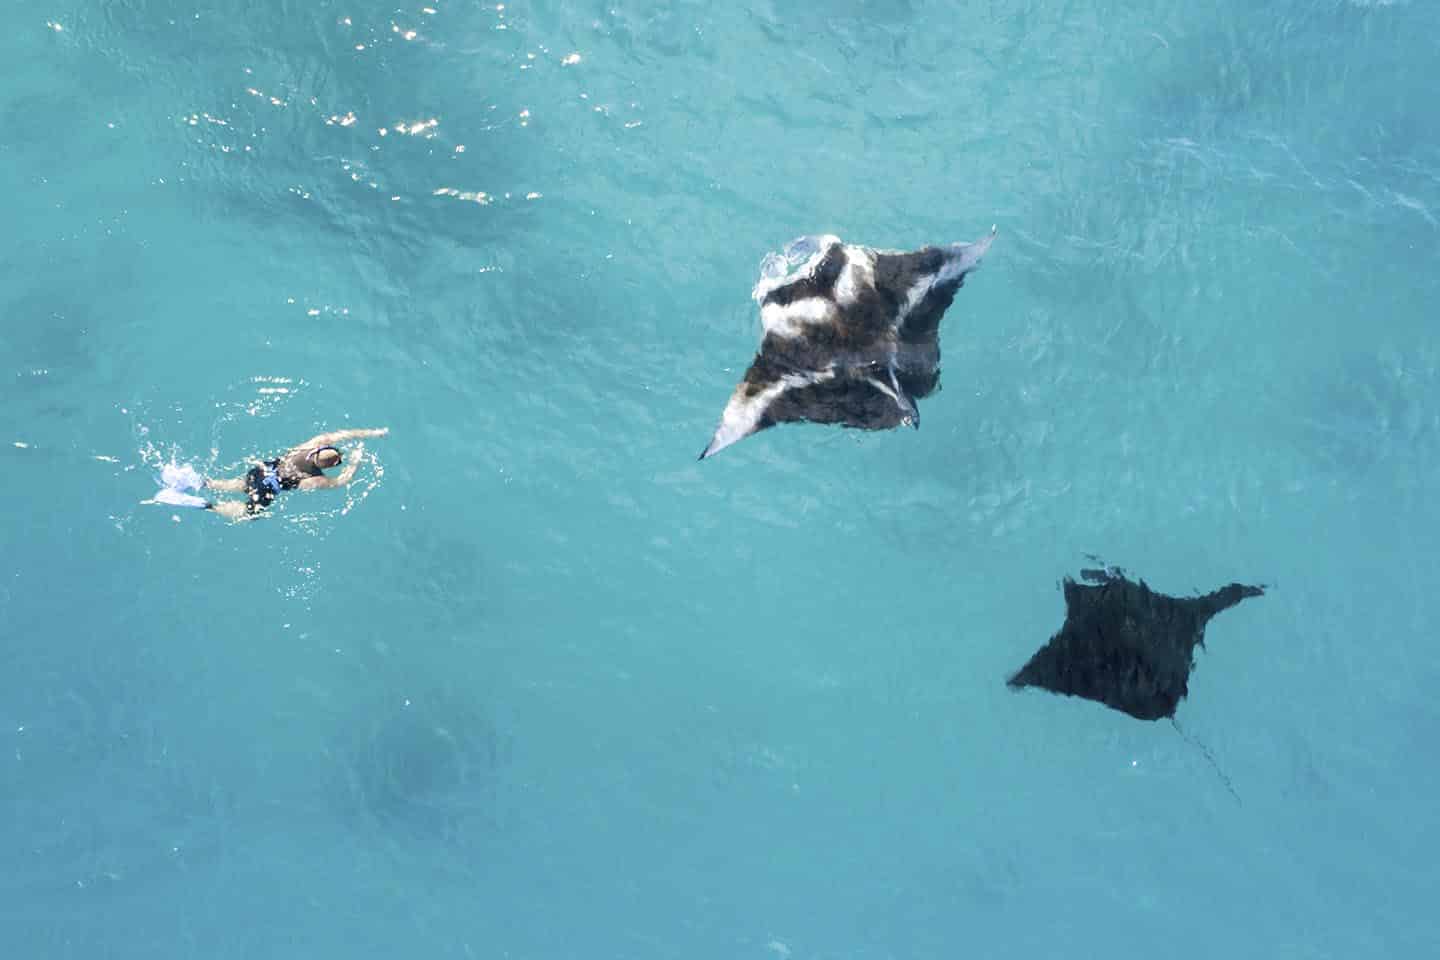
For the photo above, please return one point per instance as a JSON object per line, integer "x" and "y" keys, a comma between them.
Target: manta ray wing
{"x": 769, "y": 395}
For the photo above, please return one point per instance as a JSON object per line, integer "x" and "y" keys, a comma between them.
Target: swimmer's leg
{"x": 232, "y": 485}
{"x": 231, "y": 509}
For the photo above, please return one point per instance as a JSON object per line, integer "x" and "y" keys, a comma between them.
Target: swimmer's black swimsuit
{"x": 264, "y": 483}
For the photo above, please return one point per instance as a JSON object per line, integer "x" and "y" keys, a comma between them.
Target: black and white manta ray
{"x": 1126, "y": 646}
{"x": 851, "y": 336}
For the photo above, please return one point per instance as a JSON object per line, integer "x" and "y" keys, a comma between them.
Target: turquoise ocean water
{"x": 543, "y": 686}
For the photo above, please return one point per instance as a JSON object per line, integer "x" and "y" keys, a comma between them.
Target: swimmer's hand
{"x": 348, "y": 474}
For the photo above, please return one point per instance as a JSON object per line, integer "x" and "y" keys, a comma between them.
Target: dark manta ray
{"x": 851, "y": 336}
{"x": 1125, "y": 645}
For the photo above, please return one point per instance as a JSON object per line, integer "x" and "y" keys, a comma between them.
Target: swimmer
{"x": 300, "y": 468}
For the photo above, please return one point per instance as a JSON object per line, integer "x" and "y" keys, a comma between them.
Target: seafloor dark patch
{"x": 427, "y": 760}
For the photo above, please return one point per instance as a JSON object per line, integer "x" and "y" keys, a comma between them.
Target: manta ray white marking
{"x": 851, "y": 335}
{"x": 791, "y": 320}
{"x": 858, "y": 275}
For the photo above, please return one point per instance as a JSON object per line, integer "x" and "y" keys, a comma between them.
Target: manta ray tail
{"x": 1205, "y": 751}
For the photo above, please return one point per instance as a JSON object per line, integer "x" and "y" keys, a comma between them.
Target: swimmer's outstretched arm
{"x": 337, "y": 436}
{"x": 340, "y": 479}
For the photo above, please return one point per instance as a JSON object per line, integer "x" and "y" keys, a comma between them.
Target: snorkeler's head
{"x": 326, "y": 457}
